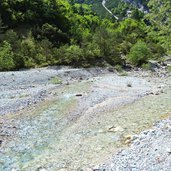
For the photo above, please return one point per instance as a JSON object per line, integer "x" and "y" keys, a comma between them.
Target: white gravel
{"x": 21, "y": 89}
{"x": 151, "y": 150}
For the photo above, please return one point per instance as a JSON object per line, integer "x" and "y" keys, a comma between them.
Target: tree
{"x": 6, "y": 57}
{"x": 160, "y": 18}
{"x": 0, "y": 25}
{"x": 139, "y": 54}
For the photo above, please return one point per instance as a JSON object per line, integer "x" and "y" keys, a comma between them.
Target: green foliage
{"x": 139, "y": 54}
{"x": 123, "y": 74}
{"x": 6, "y": 57}
{"x": 108, "y": 45}
{"x": 1, "y": 25}
{"x": 69, "y": 54}
{"x": 169, "y": 69}
{"x": 160, "y": 19}
{"x": 56, "y": 80}
{"x": 51, "y": 32}
{"x": 45, "y": 49}
{"x": 146, "y": 66}
{"x": 118, "y": 68}
{"x": 13, "y": 39}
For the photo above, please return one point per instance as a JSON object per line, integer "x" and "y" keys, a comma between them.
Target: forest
{"x": 38, "y": 33}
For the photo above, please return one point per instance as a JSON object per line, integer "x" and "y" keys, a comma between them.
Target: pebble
{"x": 168, "y": 150}
{"x": 78, "y": 95}
{"x": 146, "y": 147}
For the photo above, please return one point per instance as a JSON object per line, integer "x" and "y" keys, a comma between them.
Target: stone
{"x": 168, "y": 150}
{"x": 67, "y": 83}
{"x": 41, "y": 169}
{"x": 134, "y": 137}
{"x": 13, "y": 169}
{"x": 127, "y": 142}
{"x": 78, "y": 95}
{"x": 128, "y": 137}
{"x": 136, "y": 142}
{"x": 115, "y": 129}
{"x": 111, "y": 69}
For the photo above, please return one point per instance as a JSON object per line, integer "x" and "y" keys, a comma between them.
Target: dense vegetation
{"x": 38, "y": 33}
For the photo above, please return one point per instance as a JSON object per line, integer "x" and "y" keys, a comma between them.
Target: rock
{"x": 153, "y": 64}
{"x": 127, "y": 142}
{"x": 111, "y": 69}
{"x": 41, "y": 169}
{"x": 78, "y": 95}
{"x": 168, "y": 150}
{"x": 161, "y": 91}
{"x": 67, "y": 83}
{"x": 134, "y": 137}
{"x": 115, "y": 129}
{"x": 81, "y": 78}
{"x": 14, "y": 169}
{"x": 128, "y": 137}
{"x": 136, "y": 142}
{"x": 156, "y": 93}
{"x": 168, "y": 127}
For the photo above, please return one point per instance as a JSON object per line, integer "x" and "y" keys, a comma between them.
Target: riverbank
{"x": 82, "y": 117}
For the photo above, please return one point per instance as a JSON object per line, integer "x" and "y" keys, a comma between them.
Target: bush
{"x": 35, "y": 53}
{"x": 29, "y": 52}
{"x": 139, "y": 54}
{"x": 12, "y": 38}
{"x": 69, "y": 55}
{"x": 118, "y": 68}
{"x": 91, "y": 51}
{"x": 146, "y": 66}
{"x": 6, "y": 57}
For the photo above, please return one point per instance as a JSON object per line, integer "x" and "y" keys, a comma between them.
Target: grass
{"x": 23, "y": 95}
{"x": 118, "y": 68}
{"x": 56, "y": 80}
{"x": 123, "y": 74}
{"x": 146, "y": 66}
{"x": 169, "y": 68}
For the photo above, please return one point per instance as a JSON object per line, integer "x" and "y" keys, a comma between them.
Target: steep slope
{"x": 115, "y": 7}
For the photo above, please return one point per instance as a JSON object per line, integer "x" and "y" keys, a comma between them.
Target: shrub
{"x": 56, "y": 80}
{"x": 139, "y": 53}
{"x": 118, "y": 68}
{"x": 91, "y": 51}
{"x": 69, "y": 55}
{"x": 29, "y": 52}
{"x": 146, "y": 66}
{"x": 169, "y": 68}
{"x": 12, "y": 38}
{"x": 6, "y": 57}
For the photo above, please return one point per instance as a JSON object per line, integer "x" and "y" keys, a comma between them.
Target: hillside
{"x": 118, "y": 7}
{"x": 82, "y": 33}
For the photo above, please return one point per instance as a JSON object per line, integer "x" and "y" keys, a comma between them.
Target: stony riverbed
{"x": 75, "y": 119}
